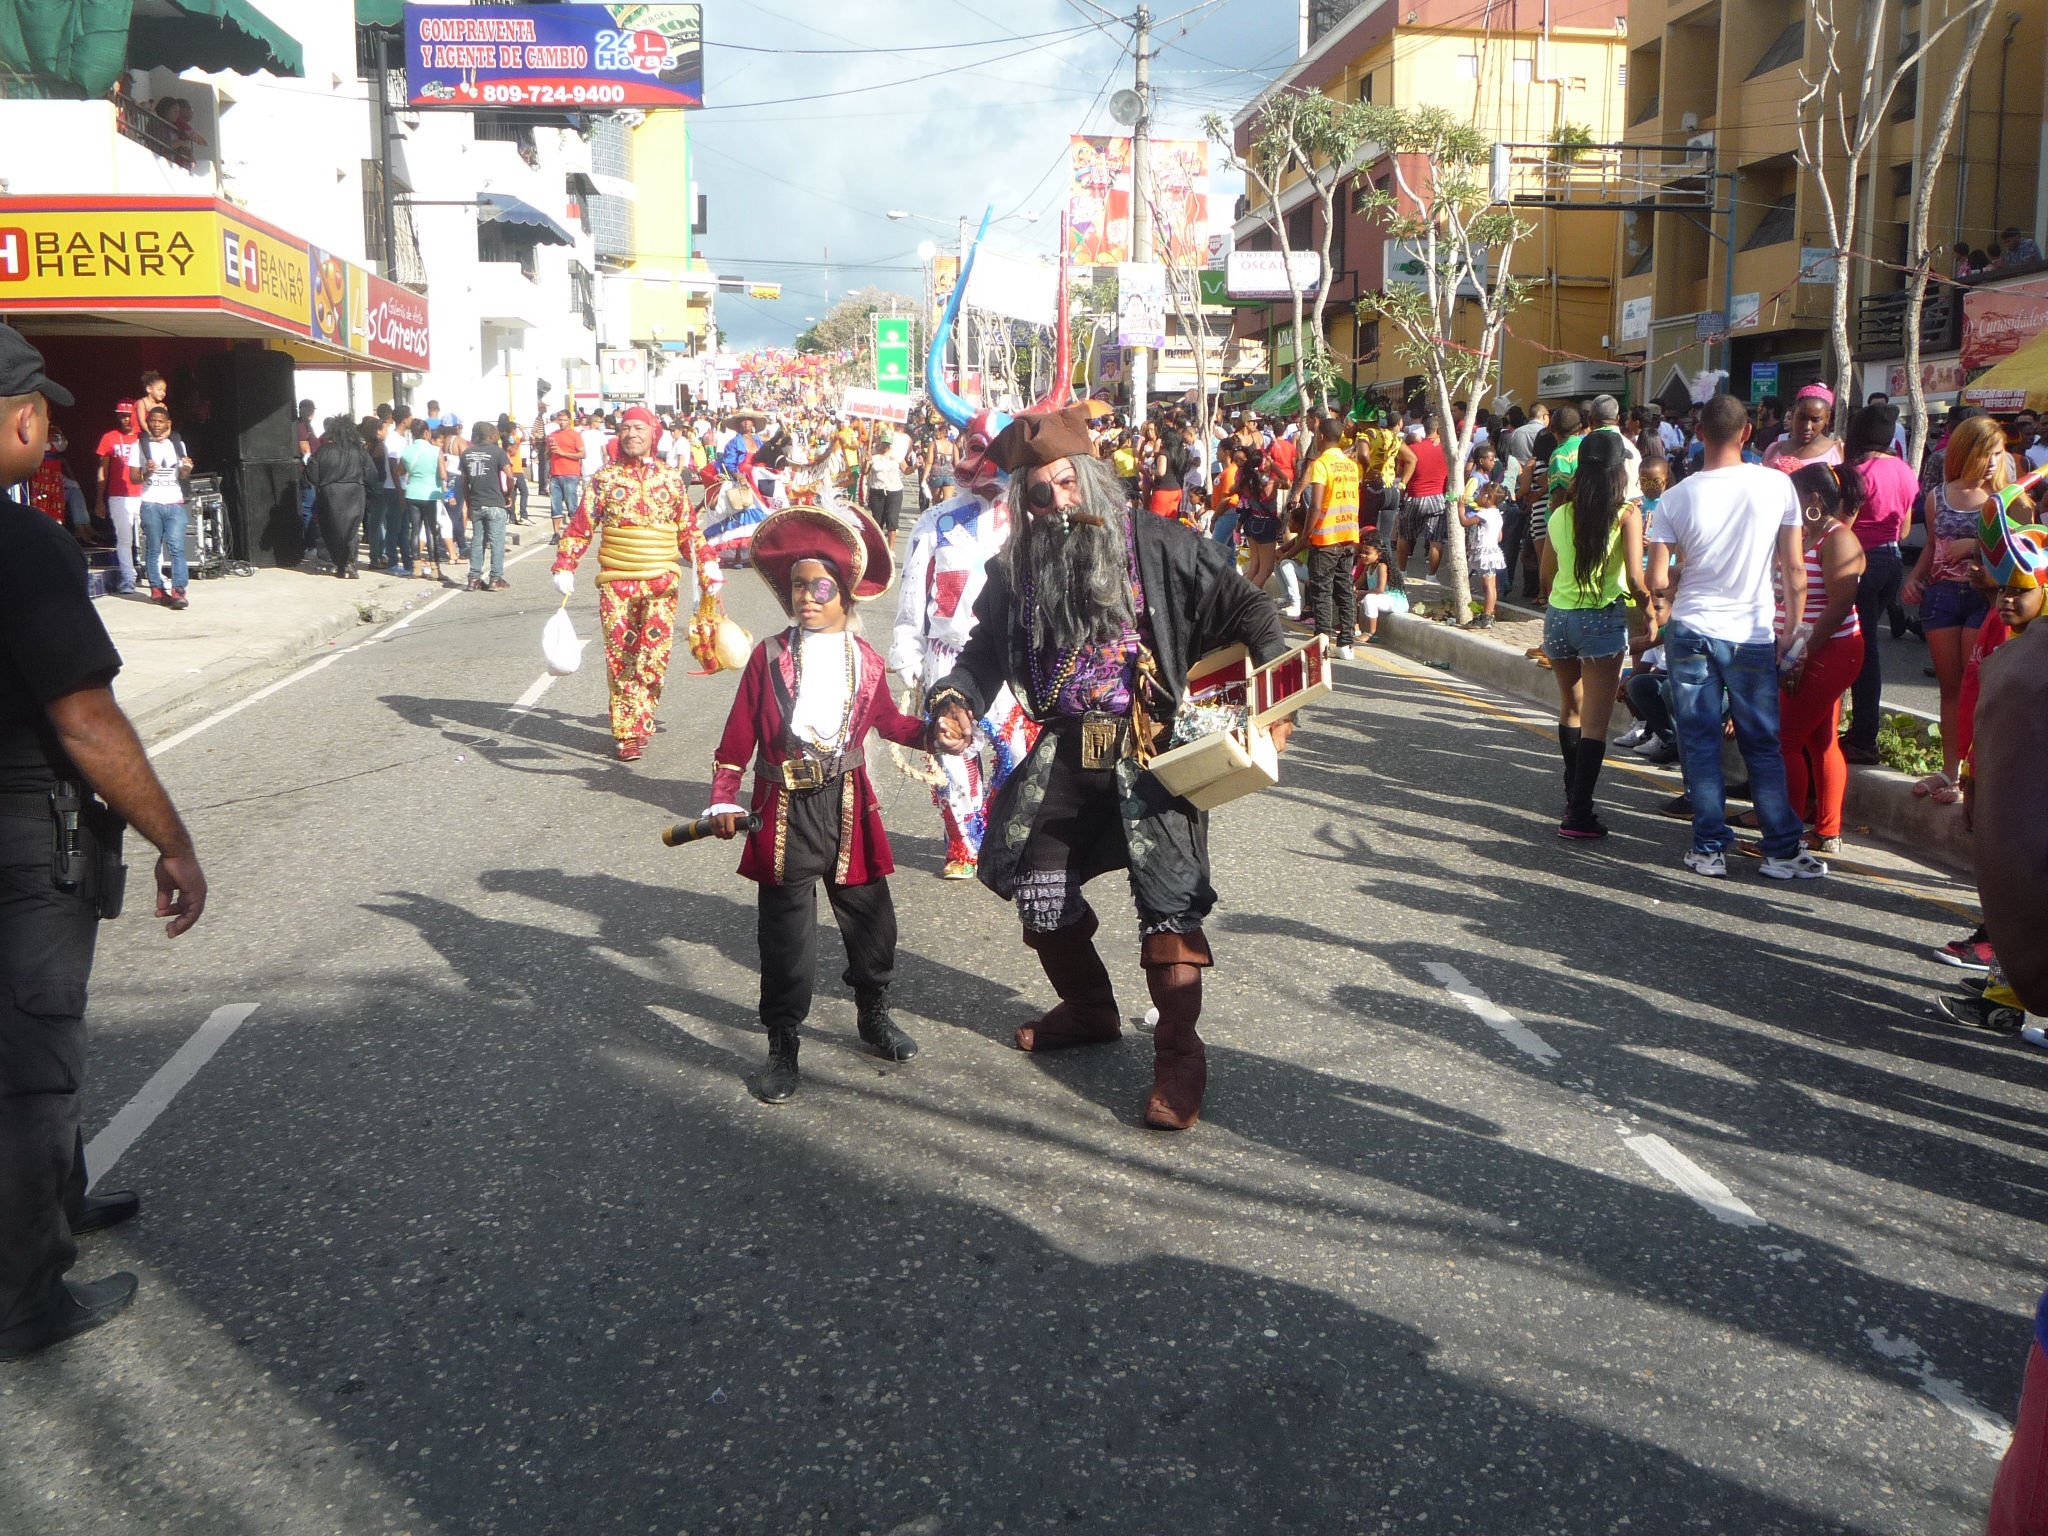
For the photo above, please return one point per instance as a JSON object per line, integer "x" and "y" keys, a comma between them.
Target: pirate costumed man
{"x": 944, "y": 570}
{"x": 649, "y": 530}
{"x": 807, "y": 700}
{"x": 1092, "y": 617}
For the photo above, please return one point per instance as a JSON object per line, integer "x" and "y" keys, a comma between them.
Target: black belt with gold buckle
{"x": 1104, "y": 737}
{"x": 812, "y": 772}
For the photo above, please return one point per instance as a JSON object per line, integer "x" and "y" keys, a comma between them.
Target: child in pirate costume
{"x": 806, "y": 703}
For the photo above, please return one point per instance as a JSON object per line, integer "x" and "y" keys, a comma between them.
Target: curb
{"x": 1877, "y": 798}
{"x": 283, "y": 652}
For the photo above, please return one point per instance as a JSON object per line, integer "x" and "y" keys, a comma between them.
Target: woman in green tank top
{"x": 1592, "y": 565}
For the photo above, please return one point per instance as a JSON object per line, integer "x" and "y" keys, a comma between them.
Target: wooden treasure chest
{"x": 1222, "y": 741}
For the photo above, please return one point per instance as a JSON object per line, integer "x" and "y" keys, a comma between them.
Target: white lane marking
{"x": 179, "y": 738}
{"x": 1495, "y": 1017}
{"x": 1986, "y": 1427}
{"x": 121, "y": 1133}
{"x": 534, "y": 690}
{"x": 1693, "y": 1181}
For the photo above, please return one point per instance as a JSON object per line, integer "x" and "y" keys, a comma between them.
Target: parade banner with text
{"x": 554, "y": 56}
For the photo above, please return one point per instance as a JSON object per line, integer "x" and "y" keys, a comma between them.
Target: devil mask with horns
{"x": 975, "y": 469}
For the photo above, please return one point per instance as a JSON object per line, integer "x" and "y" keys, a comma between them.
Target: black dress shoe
{"x": 99, "y": 1212}
{"x": 81, "y": 1306}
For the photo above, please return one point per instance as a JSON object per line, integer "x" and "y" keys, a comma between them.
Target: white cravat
{"x": 820, "y": 706}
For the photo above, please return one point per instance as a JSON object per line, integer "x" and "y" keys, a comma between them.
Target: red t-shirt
{"x": 1280, "y": 459}
{"x": 565, "y": 454}
{"x": 114, "y": 448}
{"x": 1432, "y": 471}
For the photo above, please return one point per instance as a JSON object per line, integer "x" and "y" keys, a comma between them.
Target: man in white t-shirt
{"x": 1731, "y": 525}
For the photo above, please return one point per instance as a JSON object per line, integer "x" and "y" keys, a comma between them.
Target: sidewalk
{"x": 239, "y": 632}
{"x": 1879, "y": 801}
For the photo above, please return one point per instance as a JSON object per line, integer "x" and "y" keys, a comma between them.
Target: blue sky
{"x": 808, "y": 170}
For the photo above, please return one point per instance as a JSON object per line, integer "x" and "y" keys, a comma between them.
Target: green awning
{"x": 1284, "y": 400}
{"x": 56, "y": 47}
{"x": 227, "y": 35}
{"x": 380, "y": 13}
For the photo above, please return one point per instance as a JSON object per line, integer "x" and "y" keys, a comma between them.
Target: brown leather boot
{"x": 1180, "y": 1065}
{"x": 1087, "y": 1012}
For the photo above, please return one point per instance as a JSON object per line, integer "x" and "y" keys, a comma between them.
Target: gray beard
{"x": 1079, "y": 576}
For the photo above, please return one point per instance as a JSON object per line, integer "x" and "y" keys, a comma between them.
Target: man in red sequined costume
{"x": 649, "y": 529}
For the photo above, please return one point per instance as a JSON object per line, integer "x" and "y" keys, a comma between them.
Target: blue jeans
{"x": 564, "y": 492}
{"x": 1224, "y": 529}
{"x": 163, "y": 532}
{"x": 487, "y": 527}
{"x": 1704, "y": 672}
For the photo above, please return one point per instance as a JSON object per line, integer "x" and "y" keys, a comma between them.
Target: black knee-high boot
{"x": 1568, "y": 737}
{"x": 1579, "y": 820}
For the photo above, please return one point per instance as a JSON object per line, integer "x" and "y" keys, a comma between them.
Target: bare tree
{"x": 1918, "y": 256}
{"x": 1841, "y": 115}
{"x": 1305, "y": 134}
{"x": 1439, "y": 203}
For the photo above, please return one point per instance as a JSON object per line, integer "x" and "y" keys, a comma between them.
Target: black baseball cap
{"x": 21, "y": 370}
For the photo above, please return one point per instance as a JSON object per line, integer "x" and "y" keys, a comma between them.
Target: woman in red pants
{"x": 1816, "y": 676}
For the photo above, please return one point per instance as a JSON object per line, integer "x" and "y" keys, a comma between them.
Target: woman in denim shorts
{"x": 1592, "y": 565}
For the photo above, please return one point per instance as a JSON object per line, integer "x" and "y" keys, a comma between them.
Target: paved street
{"x": 1540, "y": 1188}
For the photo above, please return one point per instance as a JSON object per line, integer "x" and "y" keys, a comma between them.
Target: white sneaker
{"x": 1801, "y": 866}
{"x": 1633, "y": 736}
{"x": 1701, "y": 862}
{"x": 2034, "y": 1034}
{"x": 1346, "y": 653}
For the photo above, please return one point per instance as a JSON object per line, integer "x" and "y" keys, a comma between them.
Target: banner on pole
{"x": 1099, "y": 200}
{"x": 1141, "y": 304}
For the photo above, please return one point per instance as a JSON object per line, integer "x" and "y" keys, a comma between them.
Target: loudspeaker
{"x": 251, "y": 410}
{"x": 263, "y": 520}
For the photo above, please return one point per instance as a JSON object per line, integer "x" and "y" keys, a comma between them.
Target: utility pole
{"x": 1141, "y": 200}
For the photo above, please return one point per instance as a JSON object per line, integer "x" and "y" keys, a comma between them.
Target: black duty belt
{"x": 35, "y": 807}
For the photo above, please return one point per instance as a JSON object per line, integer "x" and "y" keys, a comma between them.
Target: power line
{"x": 884, "y": 85}
{"x": 908, "y": 48}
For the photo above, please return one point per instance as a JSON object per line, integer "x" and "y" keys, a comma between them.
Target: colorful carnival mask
{"x": 2013, "y": 555}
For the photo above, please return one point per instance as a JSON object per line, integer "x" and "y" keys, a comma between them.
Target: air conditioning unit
{"x": 1701, "y": 140}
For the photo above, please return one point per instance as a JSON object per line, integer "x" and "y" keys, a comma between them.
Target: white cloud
{"x": 819, "y": 172}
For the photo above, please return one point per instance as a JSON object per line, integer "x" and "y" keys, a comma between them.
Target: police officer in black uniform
{"x": 72, "y": 773}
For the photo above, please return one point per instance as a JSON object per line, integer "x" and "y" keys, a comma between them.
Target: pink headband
{"x": 1816, "y": 392}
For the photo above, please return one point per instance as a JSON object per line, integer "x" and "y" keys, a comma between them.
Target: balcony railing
{"x": 1881, "y": 323}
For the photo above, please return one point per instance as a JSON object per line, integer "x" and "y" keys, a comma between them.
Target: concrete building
{"x": 190, "y": 198}
{"x": 1522, "y": 72}
{"x": 658, "y": 293}
{"x": 1723, "y": 81}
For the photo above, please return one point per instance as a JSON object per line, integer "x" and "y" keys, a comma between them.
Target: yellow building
{"x": 1723, "y": 81}
{"x": 668, "y": 313}
{"x": 1527, "y": 75}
